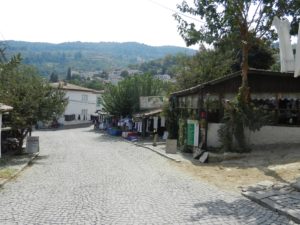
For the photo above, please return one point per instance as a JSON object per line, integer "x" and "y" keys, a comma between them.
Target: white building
{"x": 82, "y": 103}
{"x": 163, "y": 77}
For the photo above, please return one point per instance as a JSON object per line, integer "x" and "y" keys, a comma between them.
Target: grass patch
{"x": 7, "y": 173}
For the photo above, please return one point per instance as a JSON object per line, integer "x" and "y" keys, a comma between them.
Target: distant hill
{"x": 84, "y": 56}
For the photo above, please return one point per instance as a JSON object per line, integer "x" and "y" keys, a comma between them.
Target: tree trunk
{"x": 24, "y": 133}
{"x": 245, "y": 65}
{"x": 244, "y": 89}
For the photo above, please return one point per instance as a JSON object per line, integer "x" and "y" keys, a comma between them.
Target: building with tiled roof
{"x": 82, "y": 103}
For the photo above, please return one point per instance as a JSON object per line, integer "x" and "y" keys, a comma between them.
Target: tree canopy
{"x": 69, "y": 74}
{"x": 244, "y": 23}
{"x": 166, "y": 65}
{"x": 243, "y": 20}
{"x": 123, "y": 99}
{"x": 218, "y": 18}
{"x": 53, "y": 77}
{"x": 206, "y": 65}
{"x": 225, "y": 58}
{"x": 31, "y": 97}
{"x": 86, "y": 57}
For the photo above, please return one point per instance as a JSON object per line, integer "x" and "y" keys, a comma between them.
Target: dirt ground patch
{"x": 276, "y": 164}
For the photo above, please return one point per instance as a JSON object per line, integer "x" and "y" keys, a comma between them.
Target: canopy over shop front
{"x": 259, "y": 81}
{"x": 148, "y": 113}
{"x": 5, "y": 108}
{"x": 148, "y": 121}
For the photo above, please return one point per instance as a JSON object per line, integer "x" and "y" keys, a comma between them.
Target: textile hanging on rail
{"x": 162, "y": 121}
{"x": 297, "y": 60}
{"x": 286, "y": 52}
{"x": 155, "y": 122}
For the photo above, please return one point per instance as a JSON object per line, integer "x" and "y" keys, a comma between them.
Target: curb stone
{"x": 19, "y": 170}
{"x": 264, "y": 200}
{"x": 164, "y": 155}
{"x": 152, "y": 149}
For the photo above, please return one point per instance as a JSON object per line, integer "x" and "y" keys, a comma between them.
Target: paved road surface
{"x": 82, "y": 177}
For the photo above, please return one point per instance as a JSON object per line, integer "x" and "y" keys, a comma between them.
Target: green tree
{"x": 261, "y": 54}
{"x": 69, "y": 74}
{"x": 104, "y": 75}
{"x": 206, "y": 65}
{"x": 209, "y": 64}
{"x": 124, "y": 73}
{"x": 123, "y": 99}
{"x": 53, "y": 77}
{"x": 31, "y": 97}
{"x": 243, "y": 19}
{"x": 2, "y": 52}
{"x": 94, "y": 84}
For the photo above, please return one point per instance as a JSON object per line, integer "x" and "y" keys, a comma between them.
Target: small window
{"x": 99, "y": 101}
{"x": 84, "y": 98}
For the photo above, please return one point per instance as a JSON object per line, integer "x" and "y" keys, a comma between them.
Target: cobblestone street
{"x": 83, "y": 177}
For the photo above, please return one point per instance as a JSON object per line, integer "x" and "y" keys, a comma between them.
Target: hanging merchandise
{"x": 140, "y": 126}
{"x": 147, "y": 125}
{"x": 155, "y": 122}
{"x": 162, "y": 121}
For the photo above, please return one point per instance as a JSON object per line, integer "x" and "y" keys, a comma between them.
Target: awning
{"x": 147, "y": 113}
{"x": 101, "y": 112}
{"x": 5, "y": 108}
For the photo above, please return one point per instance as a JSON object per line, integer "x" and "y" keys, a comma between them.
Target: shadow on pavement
{"x": 104, "y": 137}
{"x": 40, "y": 159}
{"x": 241, "y": 210}
{"x": 15, "y": 160}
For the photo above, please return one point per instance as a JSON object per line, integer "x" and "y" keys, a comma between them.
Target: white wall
{"x": 212, "y": 135}
{"x": 77, "y": 104}
{"x": 275, "y": 135}
{"x": 267, "y": 135}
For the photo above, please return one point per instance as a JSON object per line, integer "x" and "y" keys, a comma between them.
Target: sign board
{"x": 32, "y": 144}
{"x": 151, "y": 102}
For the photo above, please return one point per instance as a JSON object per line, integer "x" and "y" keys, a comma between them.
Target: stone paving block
{"x": 90, "y": 178}
{"x": 296, "y": 185}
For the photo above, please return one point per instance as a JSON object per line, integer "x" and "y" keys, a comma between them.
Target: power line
{"x": 174, "y": 11}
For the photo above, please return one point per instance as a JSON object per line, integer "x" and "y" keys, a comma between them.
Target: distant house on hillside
{"x": 114, "y": 76}
{"x": 132, "y": 72}
{"x": 82, "y": 103}
{"x": 163, "y": 77}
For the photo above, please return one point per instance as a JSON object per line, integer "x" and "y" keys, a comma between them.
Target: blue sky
{"x": 55, "y": 21}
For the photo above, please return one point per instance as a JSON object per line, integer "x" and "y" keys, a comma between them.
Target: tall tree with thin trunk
{"x": 243, "y": 19}
{"x": 53, "y": 77}
{"x": 69, "y": 74}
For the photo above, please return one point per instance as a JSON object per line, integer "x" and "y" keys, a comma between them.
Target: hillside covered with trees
{"x": 82, "y": 56}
